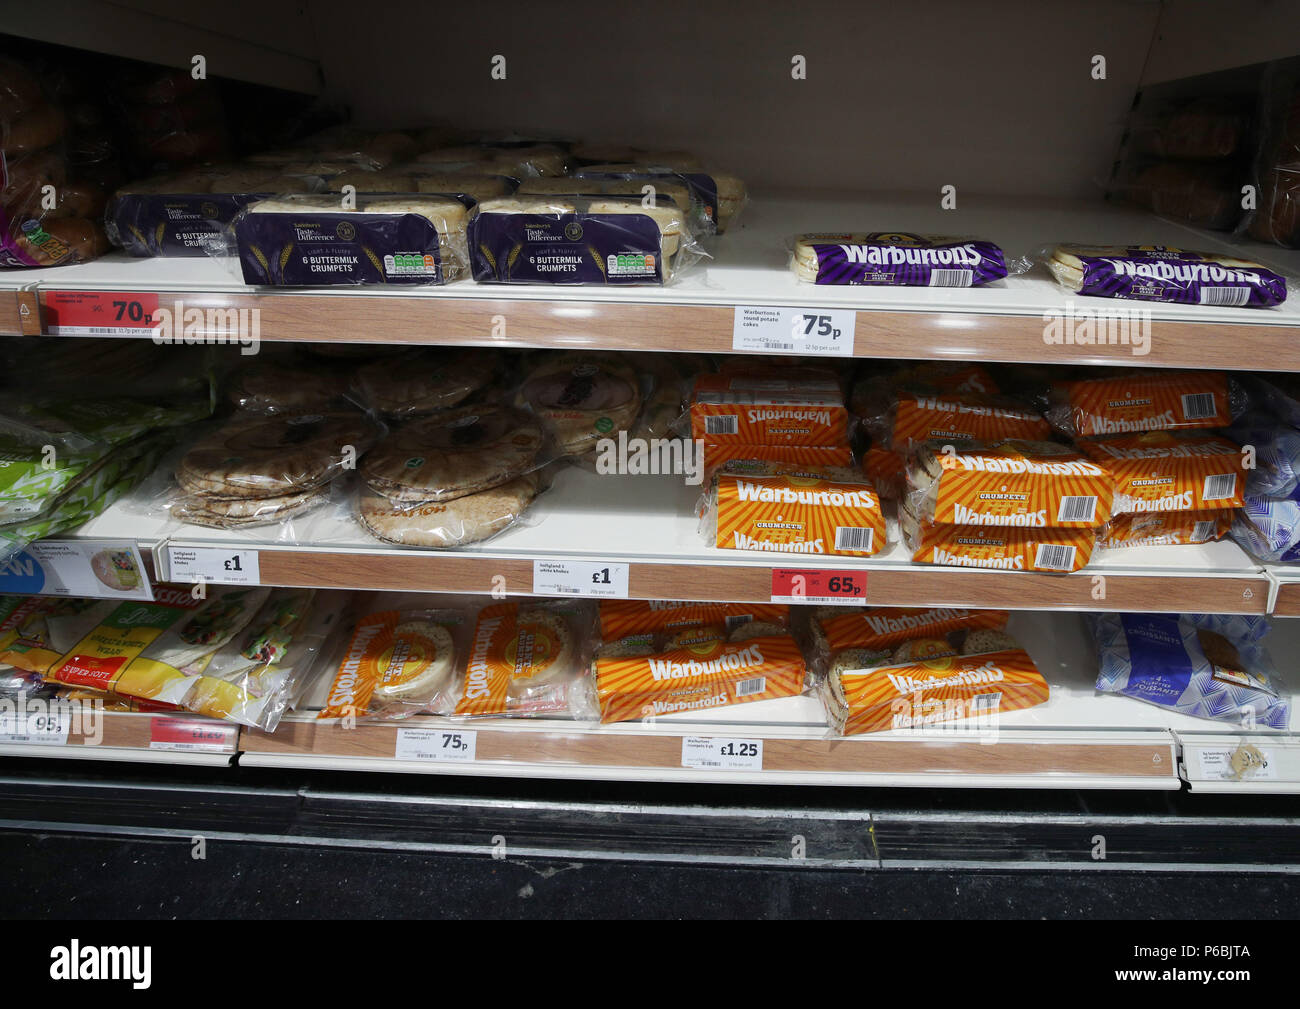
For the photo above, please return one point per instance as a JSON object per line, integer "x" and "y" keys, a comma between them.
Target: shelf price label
{"x": 827, "y": 332}
{"x": 602, "y": 579}
{"x": 100, "y": 313}
{"x": 103, "y": 569}
{"x": 192, "y": 735}
{"x": 825, "y": 587}
{"x": 214, "y": 565}
{"x": 443, "y": 746}
{"x": 722, "y": 753}
{"x": 1246, "y": 762}
{"x": 39, "y": 727}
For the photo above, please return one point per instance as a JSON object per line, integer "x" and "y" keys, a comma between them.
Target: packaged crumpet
{"x": 760, "y": 409}
{"x": 945, "y": 688}
{"x": 768, "y": 506}
{"x": 1004, "y": 548}
{"x": 719, "y": 453}
{"x": 708, "y": 674}
{"x": 397, "y": 664}
{"x": 956, "y": 417}
{"x": 621, "y": 617}
{"x": 1144, "y": 402}
{"x": 1012, "y": 483}
{"x": 1153, "y": 529}
{"x": 529, "y": 659}
{"x": 1171, "y": 471}
{"x": 882, "y": 627}
{"x": 886, "y": 469}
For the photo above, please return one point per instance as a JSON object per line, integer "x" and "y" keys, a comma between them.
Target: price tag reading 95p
{"x": 722, "y": 753}
{"x": 602, "y": 579}
{"x": 824, "y": 587}
{"x": 827, "y": 332}
{"x": 215, "y": 565}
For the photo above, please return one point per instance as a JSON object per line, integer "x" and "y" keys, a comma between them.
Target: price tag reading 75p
{"x": 828, "y": 588}
{"x": 827, "y": 332}
{"x": 215, "y": 565}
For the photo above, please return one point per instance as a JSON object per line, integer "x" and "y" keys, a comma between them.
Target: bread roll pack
{"x": 1162, "y": 273}
{"x": 318, "y": 241}
{"x": 579, "y": 239}
{"x": 1170, "y": 471}
{"x": 787, "y": 508}
{"x": 896, "y": 259}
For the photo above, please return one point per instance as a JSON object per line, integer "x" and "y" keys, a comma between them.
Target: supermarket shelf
{"x": 1000, "y": 322}
{"x": 648, "y": 522}
{"x": 1286, "y": 596}
{"x": 94, "y": 734}
{"x": 1237, "y": 762}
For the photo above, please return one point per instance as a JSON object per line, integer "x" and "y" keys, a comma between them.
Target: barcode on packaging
{"x": 1219, "y": 486}
{"x": 1054, "y": 557}
{"x": 1198, "y": 405}
{"x": 1077, "y": 508}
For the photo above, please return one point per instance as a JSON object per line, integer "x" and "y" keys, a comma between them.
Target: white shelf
{"x": 1002, "y": 321}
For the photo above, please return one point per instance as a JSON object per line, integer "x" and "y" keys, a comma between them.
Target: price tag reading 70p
{"x": 828, "y": 588}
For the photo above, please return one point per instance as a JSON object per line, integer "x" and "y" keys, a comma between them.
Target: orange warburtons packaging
{"x": 774, "y": 411}
{"x": 707, "y": 675}
{"x": 881, "y": 627}
{"x": 1166, "y": 528}
{"x": 960, "y": 418}
{"x": 1012, "y": 483}
{"x": 1171, "y": 471}
{"x": 944, "y": 689}
{"x": 811, "y": 510}
{"x": 529, "y": 659}
{"x": 1142, "y": 402}
{"x": 397, "y": 664}
{"x": 718, "y": 454}
{"x": 621, "y": 617}
{"x": 1004, "y": 548}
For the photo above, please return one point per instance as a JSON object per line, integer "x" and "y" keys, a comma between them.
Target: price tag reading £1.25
{"x": 215, "y": 565}
{"x": 826, "y": 332}
{"x": 722, "y": 753}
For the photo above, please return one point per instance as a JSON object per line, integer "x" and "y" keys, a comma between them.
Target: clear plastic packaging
{"x": 425, "y": 381}
{"x": 897, "y": 259}
{"x": 713, "y": 199}
{"x": 530, "y": 659}
{"x": 880, "y": 630}
{"x": 579, "y": 240}
{"x": 1277, "y": 455}
{"x": 1165, "y": 274}
{"x": 982, "y": 676}
{"x": 1145, "y": 401}
{"x": 580, "y": 397}
{"x": 292, "y": 386}
{"x": 398, "y": 663}
{"x": 450, "y": 524}
{"x": 765, "y": 506}
{"x": 294, "y": 241}
{"x": 1268, "y": 527}
{"x": 1203, "y": 665}
{"x": 1277, "y": 168}
{"x": 760, "y": 407}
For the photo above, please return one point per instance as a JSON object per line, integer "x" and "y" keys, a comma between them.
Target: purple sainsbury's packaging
{"x": 575, "y": 240}
{"x": 313, "y": 241}
{"x": 896, "y": 259}
{"x": 1160, "y": 273}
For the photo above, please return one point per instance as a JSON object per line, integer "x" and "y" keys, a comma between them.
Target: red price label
{"x": 829, "y": 588}
{"x": 192, "y": 734}
{"x": 100, "y": 313}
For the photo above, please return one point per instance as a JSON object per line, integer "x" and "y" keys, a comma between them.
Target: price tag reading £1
{"x": 827, "y": 332}
{"x": 722, "y": 753}
{"x": 215, "y": 565}
{"x": 580, "y": 578}
{"x": 442, "y": 745}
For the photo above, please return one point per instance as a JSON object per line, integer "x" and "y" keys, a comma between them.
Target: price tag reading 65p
{"x": 826, "y": 588}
